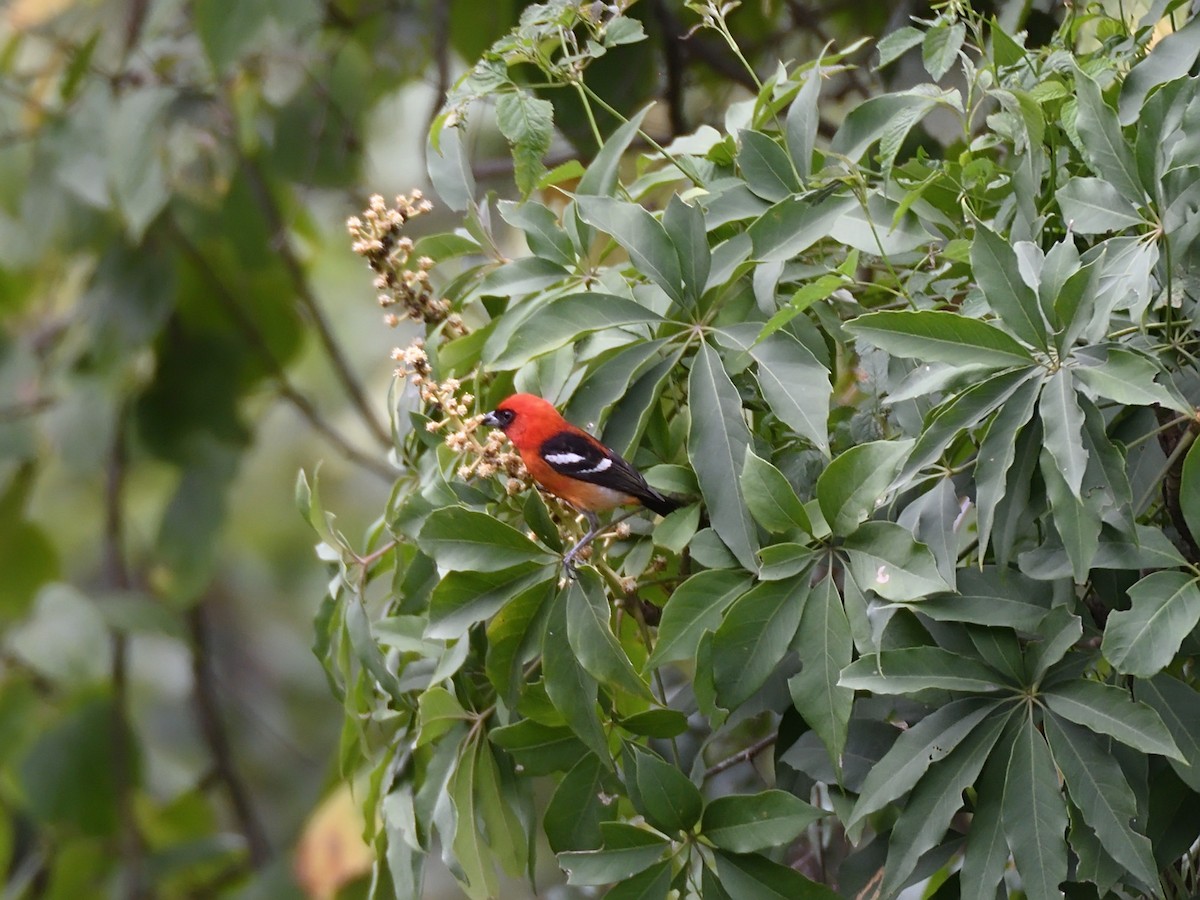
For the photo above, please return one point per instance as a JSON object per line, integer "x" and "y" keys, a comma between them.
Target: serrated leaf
{"x": 940, "y": 47}
{"x": 527, "y": 122}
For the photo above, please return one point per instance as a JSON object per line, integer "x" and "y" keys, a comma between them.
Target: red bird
{"x": 571, "y": 464}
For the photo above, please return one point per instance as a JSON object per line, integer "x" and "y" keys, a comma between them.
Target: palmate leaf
{"x": 1035, "y": 814}
{"x": 695, "y": 606}
{"x": 884, "y": 557}
{"x": 756, "y": 633}
{"x": 934, "y": 801}
{"x": 852, "y": 484}
{"x": 590, "y": 636}
{"x": 641, "y": 236}
{"x": 1109, "y": 710}
{"x": 995, "y": 267}
{"x": 1098, "y": 787}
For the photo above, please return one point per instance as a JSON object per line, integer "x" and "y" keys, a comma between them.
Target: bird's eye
{"x": 506, "y": 416}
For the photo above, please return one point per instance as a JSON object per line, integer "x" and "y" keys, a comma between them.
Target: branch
{"x": 215, "y": 736}
{"x": 308, "y": 301}
{"x": 741, "y": 756}
{"x": 258, "y": 343}
{"x": 116, "y": 577}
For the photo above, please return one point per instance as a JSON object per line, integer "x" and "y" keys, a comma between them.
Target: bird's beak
{"x": 491, "y": 421}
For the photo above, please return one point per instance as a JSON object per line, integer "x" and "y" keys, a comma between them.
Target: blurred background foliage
{"x": 182, "y": 327}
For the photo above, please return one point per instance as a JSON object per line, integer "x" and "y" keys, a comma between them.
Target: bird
{"x": 572, "y": 465}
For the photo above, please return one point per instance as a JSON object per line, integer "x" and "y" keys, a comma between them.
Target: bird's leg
{"x": 593, "y": 530}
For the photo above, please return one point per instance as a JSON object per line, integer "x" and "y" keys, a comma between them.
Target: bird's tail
{"x": 659, "y": 503}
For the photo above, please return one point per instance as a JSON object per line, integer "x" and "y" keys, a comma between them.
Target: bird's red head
{"x": 519, "y": 415}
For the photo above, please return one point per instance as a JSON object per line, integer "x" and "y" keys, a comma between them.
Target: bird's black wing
{"x": 578, "y": 456}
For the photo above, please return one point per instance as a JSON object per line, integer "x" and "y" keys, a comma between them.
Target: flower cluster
{"x": 449, "y": 411}
{"x": 400, "y": 283}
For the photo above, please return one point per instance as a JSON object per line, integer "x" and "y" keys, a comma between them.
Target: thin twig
{"x": 308, "y": 300}
{"x": 116, "y": 577}
{"x": 741, "y": 756}
{"x": 258, "y": 343}
{"x": 215, "y": 736}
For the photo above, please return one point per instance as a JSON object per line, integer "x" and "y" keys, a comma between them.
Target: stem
{"x": 117, "y": 577}
{"x": 741, "y": 756}
{"x": 217, "y": 738}
{"x": 657, "y": 147}
{"x": 308, "y": 301}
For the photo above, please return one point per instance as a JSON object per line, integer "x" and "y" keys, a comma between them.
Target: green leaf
{"x": 1171, "y": 58}
{"x": 770, "y": 498}
{"x": 766, "y": 166}
{"x": 1128, "y": 378}
{"x": 1035, "y": 814}
{"x": 684, "y": 224}
{"x": 803, "y": 119}
{"x": 1093, "y": 206}
{"x": 1063, "y": 422}
{"x": 885, "y": 558}
{"x": 570, "y": 688}
{"x": 656, "y": 723}
{"x": 938, "y": 336}
{"x": 694, "y": 607}
{"x": 940, "y": 47}
{"x": 559, "y": 323}
{"x": 501, "y": 824}
{"x": 660, "y": 792}
{"x": 1098, "y": 787}
{"x": 1189, "y": 491}
{"x": 994, "y": 263}
{"x": 462, "y": 539}
{"x": 463, "y": 598}
{"x": 756, "y": 876}
{"x": 892, "y": 115}
{"x": 475, "y": 871}
{"x": 753, "y": 638}
{"x": 613, "y": 864}
{"x": 1179, "y": 706}
{"x": 896, "y": 43}
{"x": 997, "y": 451}
{"x": 653, "y": 883}
{"x": 852, "y": 485}
{"x": 1109, "y": 710}
{"x": 68, "y": 776}
{"x": 717, "y": 442}
{"x": 928, "y": 741}
{"x": 1076, "y": 521}
{"x": 591, "y": 637}
{"x": 437, "y": 712}
{"x": 826, "y": 647}
{"x": 1058, "y": 632}
{"x": 574, "y": 813}
{"x": 993, "y": 596}
{"x": 1165, "y": 607}
{"x": 794, "y": 224}
{"x": 919, "y": 669}
{"x": 540, "y": 749}
{"x": 641, "y": 236}
{"x": 450, "y": 170}
{"x": 546, "y": 238}
{"x": 795, "y": 386}
{"x": 986, "y": 855}
{"x": 1102, "y": 142}
{"x": 527, "y": 122}
{"x": 600, "y": 179}
{"x": 934, "y": 801}
{"x": 137, "y": 124}
{"x": 749, "y": 822}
